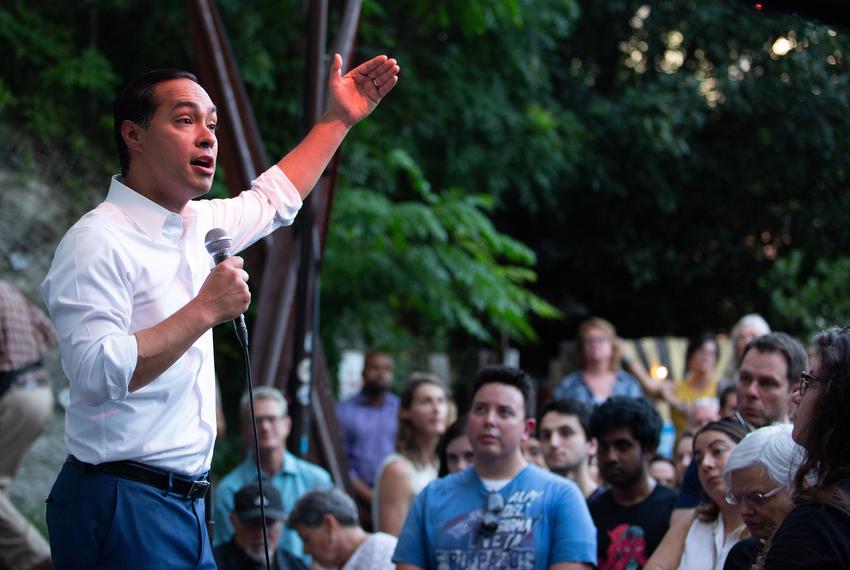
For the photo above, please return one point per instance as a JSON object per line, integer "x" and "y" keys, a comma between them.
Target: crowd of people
{"x": 759, "y": 475}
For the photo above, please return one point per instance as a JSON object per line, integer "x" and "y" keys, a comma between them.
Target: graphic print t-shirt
{"x": 544, "y": 521}
{"x": 629, "y": 535}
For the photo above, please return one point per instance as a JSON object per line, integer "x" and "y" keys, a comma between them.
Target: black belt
{"x": 188, "y": 488}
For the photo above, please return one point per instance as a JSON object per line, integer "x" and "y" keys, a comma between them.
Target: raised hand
{"x": 356, "y": 94}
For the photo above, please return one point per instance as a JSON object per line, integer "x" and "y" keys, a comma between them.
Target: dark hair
{"x": 790, "y": 349}
{"x": 707, "y": 510}
{"x": 827, "y": 458}
{"x": 405, "y": 443}
{"x": 725, "y": 393}
{"x": 515, "y": 377}
{"x": 637, "y": 414}
{"x": 454, "y": 431}
{"x": 568, "y": 407}
{"x": 311, "y": 508}
{"x": 136, "y": 102}
{"x": 374, "y": 354}
{"x": 695, "y": 343}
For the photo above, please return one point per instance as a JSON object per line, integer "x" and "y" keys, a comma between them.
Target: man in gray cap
{"x": 245, "y": 551}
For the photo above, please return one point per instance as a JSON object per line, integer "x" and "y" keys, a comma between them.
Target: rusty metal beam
{"x": 287, "y": 303}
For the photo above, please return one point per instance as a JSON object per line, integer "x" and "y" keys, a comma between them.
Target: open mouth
{"x": 204, "y": 162}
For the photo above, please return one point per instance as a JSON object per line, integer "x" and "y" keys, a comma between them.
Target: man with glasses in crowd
{"x": 504, "y": 512}
{"x": 770, "y": 368}
{"x": 290, "y": 475}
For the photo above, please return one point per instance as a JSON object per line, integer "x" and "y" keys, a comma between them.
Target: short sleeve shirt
{"x": 544, "y": 521}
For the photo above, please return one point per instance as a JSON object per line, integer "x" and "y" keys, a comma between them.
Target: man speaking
{"x": 133, "y": 300}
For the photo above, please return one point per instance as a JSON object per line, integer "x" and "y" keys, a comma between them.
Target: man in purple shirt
{"x": 368, "y": 423}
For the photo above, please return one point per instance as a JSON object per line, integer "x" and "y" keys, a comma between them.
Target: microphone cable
{"x": 218, "y": 244}
{"x": 248, "y": 381}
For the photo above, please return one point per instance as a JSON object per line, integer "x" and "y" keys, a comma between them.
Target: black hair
{"x": 725, "y": 393}
{"x": 454, "y": 431}
{"x": 790, "y": 349}
{"x": 568, "y": 407}
{"x": 696, "y": 342}
{"x": 637, "y": 414}
{"x": 827, "y": 444}
{"x": 736, "y": 430}
{"x": 136, "y": 102}
{"x": 512, "y": 377}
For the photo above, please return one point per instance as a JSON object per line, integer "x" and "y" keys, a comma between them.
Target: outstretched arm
{"x": 352, "y": 97}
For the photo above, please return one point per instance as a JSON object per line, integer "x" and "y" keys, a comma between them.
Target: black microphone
{"x": 219, "y": 245}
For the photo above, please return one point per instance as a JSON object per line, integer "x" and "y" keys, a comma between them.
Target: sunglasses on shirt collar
{"x": 490, "y": 521}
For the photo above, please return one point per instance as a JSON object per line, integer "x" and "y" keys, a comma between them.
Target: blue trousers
{"x": 97, "y": 520}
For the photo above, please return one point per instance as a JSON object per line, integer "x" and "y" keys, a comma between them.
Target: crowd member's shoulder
{"x": 664, "y": 493}
{"x": 565, "y": 487}
{"x": 601, "y": 496}
{"x": 811, "y": 536}
{"x": 307, "y": 469}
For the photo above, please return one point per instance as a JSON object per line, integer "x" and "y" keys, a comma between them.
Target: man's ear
{"x": 528, "y": 429}
{"x": 648, "y": 454}
{"x": 592, "y": 446}
{"x": 132, "y": 135}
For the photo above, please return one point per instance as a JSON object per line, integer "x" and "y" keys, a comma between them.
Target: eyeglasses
{"x": 806, "y": 381}
{"x": 752, "y": 499}
{"x": 268, "y": 419}
{"x": 490, "y": 521}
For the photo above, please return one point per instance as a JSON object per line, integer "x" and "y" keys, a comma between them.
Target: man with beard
{"x": 368, "y": 423}
{"x": 567, "y": 447}
{"x": 633, "y": 515}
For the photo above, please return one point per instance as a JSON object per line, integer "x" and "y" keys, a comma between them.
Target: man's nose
{"x": 206, "y": 138}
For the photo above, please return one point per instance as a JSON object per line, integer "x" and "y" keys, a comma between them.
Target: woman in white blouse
{"x": 423, "y": 414}
{"x": 718, "y": 525}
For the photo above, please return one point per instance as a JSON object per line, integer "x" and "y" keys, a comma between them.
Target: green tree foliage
{"x": 660, "y": 158}
{"x": 400, "y": 272}
{"x": 808, "y": 299}
{"x": 711, "y": 157}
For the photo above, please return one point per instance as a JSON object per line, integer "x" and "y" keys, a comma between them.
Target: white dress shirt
{"x": 126, "y": 266}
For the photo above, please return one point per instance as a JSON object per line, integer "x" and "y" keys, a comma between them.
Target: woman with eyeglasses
{"x": 760, "y": 475}
{"x": 816, "y": 533}
{"x": 718, "y": 525}
{"x": 422, "y": 417}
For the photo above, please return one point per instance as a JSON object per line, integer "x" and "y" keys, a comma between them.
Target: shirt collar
{"x": 288, "y": 463}
{"x": 155, "y": 221}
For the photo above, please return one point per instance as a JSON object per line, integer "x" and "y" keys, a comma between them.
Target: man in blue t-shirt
{"x": 501, "y": 513}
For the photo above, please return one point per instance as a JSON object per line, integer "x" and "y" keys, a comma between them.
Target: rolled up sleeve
{"x": 88, "y": 296}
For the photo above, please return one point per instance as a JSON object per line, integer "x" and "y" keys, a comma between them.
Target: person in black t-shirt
{"x": 633, "y": 515}
{"x": 816, "y": 533}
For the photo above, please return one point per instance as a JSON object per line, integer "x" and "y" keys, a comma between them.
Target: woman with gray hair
{"x": 327, "y": 522}
{"x": 760, "y": 475}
